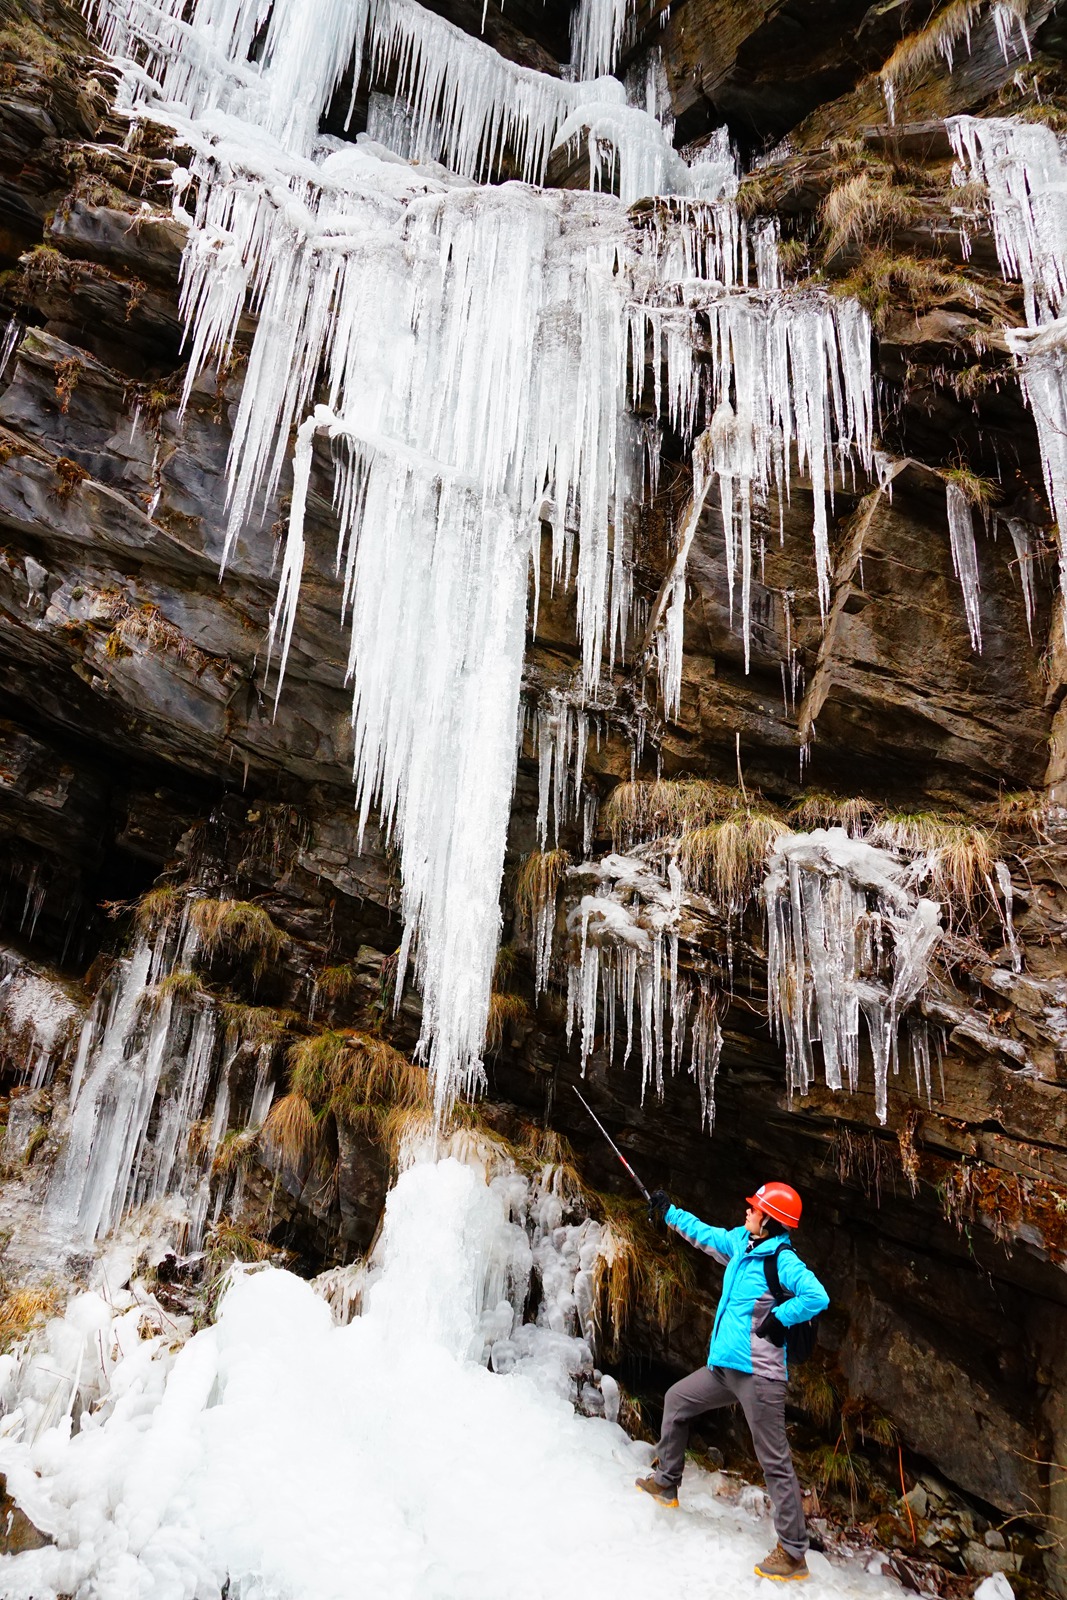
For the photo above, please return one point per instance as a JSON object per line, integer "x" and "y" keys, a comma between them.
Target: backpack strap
{"x": 770, "y": 1271}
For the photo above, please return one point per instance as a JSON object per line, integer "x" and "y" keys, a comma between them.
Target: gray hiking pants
{"x": 763, "y": 1402}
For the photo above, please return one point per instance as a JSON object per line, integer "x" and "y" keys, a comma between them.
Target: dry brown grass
{"x": 977, "y": 491}
{"x": 228, "y": 1241}
{"x": 26, "y": 1309}
{"x": 1022, "y": 811}
{"x": 238, "y": 928}
{"x": 548, "y": 1154}
{"x": 157, "y": 911}
{"x": 339, "y": 982}
{"x": 181, "y": 984}
{"x": 292, "y": 1130}
{"x": 357, "y": 1076}
{"x": 883, "y": 280}
{"x": 931, "y": 46}
{"x": 506, "y": 1011}
{"x": 662, "y": 808}
{"x": 728, "y": 859}
{"x": 261, "y": 1027}
{"x": 237, "y": 1149}
{"x": 635, "y": 1269}
{"x": 962, "y": 856}
{"x": 144, "y": 623}
{"x": 538, "y": 881}
{"x": 865, "y": 206}
{"x": 818, "y": 809}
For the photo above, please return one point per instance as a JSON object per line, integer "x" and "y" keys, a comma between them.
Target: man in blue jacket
{"x": 746, "y": 1362}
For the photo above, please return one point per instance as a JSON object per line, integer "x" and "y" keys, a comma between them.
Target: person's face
{"x": 754, "y": 1221}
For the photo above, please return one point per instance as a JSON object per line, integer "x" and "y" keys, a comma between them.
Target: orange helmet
{"x": 779, "y": 1201}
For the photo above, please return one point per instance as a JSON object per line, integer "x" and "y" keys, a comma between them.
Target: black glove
{"x": 658, "y": 1205}
{"x": 771, "y": 1329}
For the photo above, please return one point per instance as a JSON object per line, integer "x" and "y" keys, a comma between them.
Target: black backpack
{"x": 800, "y": 1340}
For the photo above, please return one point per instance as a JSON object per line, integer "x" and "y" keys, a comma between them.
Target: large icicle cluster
{"x": 460, "y": 101}
{"x": 597, "y": 28}
{"x": 623, "y": 972}
{"x": 468, "y": 356}
{"x": 848, "y": 937}
{"x": 1024, "y": 165}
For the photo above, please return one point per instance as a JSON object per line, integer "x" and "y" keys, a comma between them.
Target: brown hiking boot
{"x": 781, "y": 1566}
{"x": 665, "y": 1493}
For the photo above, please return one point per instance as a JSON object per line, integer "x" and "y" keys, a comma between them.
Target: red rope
{"x": 904, "y": 1493}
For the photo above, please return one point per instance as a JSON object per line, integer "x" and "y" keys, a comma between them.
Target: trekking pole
{"x": 613, "y": 1145}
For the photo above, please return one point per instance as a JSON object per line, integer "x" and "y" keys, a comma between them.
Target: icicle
{"x": 140, "y": 1082}
{"x": 1007, "y": 16}
{"x": 597, "y": 27}
{"x": 707, "y": 1048}
{"x": 1025, "y": 555}
{"x": 965, "y": 559}
{"x": 624, "y": 958}
{"x": 831, "y": 903}
{"x": 37, "y": 1020}
{"x": 669, "y": 649}
{"x": 1024, "y": 165}
{"x": 1004, "y": 880}
{"x": 561, "y": 738}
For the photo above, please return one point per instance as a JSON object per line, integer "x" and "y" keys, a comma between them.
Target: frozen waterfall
{"x": 465, "y": 359}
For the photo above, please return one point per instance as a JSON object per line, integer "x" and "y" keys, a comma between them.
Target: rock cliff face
{"x": 141, "y": 743}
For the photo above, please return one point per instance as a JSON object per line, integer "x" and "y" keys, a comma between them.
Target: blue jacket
{"x": 746, "y": 1299}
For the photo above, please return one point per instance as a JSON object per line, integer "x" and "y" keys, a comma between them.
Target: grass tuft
{"x": 727, "y": 859}
{"x": 818, "y": 809}
{"x": 292, "y": 1130}
{"x": 228, "y": 1241}
{"x": 26, "y": 1309}
{"x": 961, "y": 855}
{"x": 262, "y": 1027}
{"x": 238, "y": 928}
{"x": 635, "y": 1269}
{"x": 181, "y": 984}
{"x": 357, "y": 1076}
{"x": 339, "y": 982}
{"x": 865, "y": 206}
{"x": 882, "y": 281}
{"x": 538, "y": 883}
{"x": 644, "y": 810}
{"x": 236, "y": 1151}
{"x": 977, "y": 491}
{"x": 505, "y": 1010}
{"x": 157, "y": 910}
{"x": 935, "y": 44}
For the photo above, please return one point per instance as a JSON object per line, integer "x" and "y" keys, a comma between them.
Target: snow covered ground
{"x": 303, "y": 1460}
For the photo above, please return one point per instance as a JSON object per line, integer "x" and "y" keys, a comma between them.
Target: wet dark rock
{"x": 17, "y": 1532}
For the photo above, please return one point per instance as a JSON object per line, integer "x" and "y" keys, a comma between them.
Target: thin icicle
{"x": 1025, "y": 556}
{"x": 965, "y": 559}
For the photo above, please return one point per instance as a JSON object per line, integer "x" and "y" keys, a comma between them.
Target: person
{"x": 746, "y": 1363}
